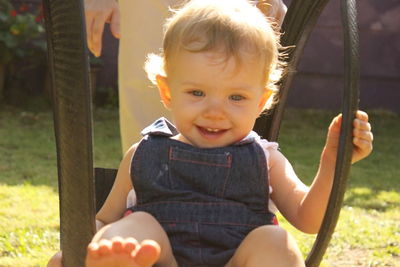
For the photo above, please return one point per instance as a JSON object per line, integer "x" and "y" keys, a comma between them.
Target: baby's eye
{"x": 197, "y": 93}
{"x": 236, "y": 97}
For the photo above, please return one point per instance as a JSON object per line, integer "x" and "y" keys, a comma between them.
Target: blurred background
{"x": 318, "y": 84}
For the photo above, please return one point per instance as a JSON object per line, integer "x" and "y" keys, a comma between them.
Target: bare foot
{"x": 120, "y": 252}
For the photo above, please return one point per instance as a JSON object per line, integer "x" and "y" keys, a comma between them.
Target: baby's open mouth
{"x": 211, "y": 131}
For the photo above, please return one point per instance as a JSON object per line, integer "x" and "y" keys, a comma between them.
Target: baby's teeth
{"x": 212, "y": 130}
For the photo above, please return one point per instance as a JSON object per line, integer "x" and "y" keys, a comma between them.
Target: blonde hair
{"x": 207, "y": 25}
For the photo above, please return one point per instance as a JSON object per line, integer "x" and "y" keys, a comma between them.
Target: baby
{"x": 203, "y": 184}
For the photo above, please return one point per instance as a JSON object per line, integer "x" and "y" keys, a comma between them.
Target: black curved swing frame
{"x": 83, "y": 189}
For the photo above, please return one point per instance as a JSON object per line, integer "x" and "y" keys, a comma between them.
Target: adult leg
{"x": 135, "y": 240}
{"x": 267, "y": 246}
{"x": 141, "y": 34}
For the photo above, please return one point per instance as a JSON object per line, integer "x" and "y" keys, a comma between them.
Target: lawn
{"x": 368, "y": 232}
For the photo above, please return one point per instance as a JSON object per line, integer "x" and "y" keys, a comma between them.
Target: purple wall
{"x": 319, "y": 82}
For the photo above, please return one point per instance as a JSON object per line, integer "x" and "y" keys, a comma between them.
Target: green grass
{"x": 29, "y": 222}
{"x": 368, "y": 232}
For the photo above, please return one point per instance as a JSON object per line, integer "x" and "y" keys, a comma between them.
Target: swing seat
{"x": 103, "y": 180}
{"x": 83, "y": 189}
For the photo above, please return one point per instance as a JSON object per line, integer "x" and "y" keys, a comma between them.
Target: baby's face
{"x": 213, "y": 102}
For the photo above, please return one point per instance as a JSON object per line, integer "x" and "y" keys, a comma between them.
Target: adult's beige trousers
{"x": 141, "y": 34}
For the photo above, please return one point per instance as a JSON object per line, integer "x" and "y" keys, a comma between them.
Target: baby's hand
{"x": 362, "y": 136}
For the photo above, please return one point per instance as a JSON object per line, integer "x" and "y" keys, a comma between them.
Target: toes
{"x": 93, "y": 250}
{"x": 117, "y": 244}
{"x": 130, "y": 246}
{"x": 105, "y": 247}
{"x": 125, "y": 250}
{"x": 148, "y": 253}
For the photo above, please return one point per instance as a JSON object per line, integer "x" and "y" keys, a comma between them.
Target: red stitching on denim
{"x": 203, "y": 163}
{"x": 170, "y": 153}
{"x": 228, "y": 164}
{"x": 262, "y": 161}
{"x": 198, "y": 238}
{"x": 227, "y": 176}
{"x": 134, "y": 172}
{"x": 195, "y": 203}
{"x": 211, "y": 223}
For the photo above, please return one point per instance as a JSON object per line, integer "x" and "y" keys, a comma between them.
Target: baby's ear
{"x": 165, "y": 92}
{"x": 264, "y": 98}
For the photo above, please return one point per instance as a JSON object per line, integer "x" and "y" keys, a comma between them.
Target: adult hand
{"x": 97, "y": 13}
{"x": 274, "y": 9}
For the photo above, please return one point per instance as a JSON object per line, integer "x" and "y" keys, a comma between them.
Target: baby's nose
{"x": 214, "y": 109}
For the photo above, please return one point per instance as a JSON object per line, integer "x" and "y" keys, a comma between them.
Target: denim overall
{"x": 206, "y": 199}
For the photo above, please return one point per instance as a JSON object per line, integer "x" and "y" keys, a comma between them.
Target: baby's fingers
{"x": 362, "y": 115}
{"x": 363, "y": 131}
{"x": 363, "y": 135}
{"x": 362, "y": 128}
{"x": 362, "y": 148}
{"x": 362, "y": 141}
{"x": 361, "y": 125}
